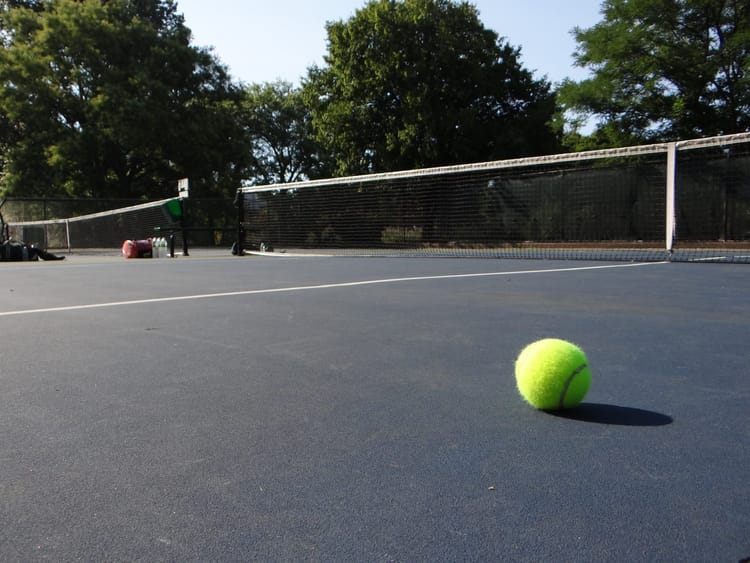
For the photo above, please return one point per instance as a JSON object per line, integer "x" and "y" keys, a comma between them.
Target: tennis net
{"x": 670, "y": 201}
{"x": 103, "y": 230}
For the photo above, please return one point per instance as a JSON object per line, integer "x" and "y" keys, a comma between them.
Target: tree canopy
{"x": 110, "y": 99}
{"x": 414, "y": 83}
{"x": 277, "y": 121}
{"x": 664, "y": 69}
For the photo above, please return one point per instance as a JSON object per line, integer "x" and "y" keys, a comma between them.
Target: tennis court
{"x": 223, "y": 408}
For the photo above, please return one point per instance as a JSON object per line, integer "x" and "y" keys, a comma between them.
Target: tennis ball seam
{"x": 568, "y": 383}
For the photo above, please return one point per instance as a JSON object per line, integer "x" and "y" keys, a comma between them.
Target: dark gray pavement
{"x": 371, "y": 422}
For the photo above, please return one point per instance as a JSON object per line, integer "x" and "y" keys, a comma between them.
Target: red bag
{"x": 137, "y": 249}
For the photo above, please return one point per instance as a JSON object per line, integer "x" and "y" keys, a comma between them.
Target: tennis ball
{"x": 552, "y": 374}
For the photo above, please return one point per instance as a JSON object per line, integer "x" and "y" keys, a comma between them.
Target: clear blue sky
{"x": 262, "y": 41}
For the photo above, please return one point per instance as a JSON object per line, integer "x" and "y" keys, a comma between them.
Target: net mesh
{"x": 608, "y": 205}
{"x": 103, "y": 230}
{"x": 713, "y": 195}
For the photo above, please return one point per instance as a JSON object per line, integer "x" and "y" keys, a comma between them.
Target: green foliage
{"x": 415, "y": 83}
{"x": 663, "y": 70}
{"x": 108, "y": 99}
{"x": 278, "y": 123}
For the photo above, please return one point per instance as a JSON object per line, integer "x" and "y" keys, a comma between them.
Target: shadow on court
{"x": 614, "y": 415}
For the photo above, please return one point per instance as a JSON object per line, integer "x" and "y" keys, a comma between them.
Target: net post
{"x": 239, "y": 201}
{"x": 670, "y": 196}
{"x": 67, "y": 236}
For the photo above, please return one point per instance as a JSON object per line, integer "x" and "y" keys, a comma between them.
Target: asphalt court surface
{"x": 219, "y": 408}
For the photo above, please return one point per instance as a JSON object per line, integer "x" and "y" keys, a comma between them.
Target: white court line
{"x": 711, "y": 259}
{"x": 717, "y": 258}
{"x": 314, "y": 287}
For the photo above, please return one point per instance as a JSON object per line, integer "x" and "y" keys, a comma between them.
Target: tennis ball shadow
{"x": 615, "y": 415}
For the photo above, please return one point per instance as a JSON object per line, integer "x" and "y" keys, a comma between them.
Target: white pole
{"x": 67, "y": 235}
{"x": 671, "y": 181}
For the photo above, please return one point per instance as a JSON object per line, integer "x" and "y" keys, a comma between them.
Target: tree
{"x": 278, "y": 125}
{"x": 664, "y": 70}
{"x": 415, "y": 83}
{"x": 108, "y": 99}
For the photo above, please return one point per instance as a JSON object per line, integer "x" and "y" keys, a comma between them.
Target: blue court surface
{"x": 221, "y": 408}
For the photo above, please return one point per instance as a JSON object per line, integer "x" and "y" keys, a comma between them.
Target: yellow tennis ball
{"x": 553, "y": 374}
